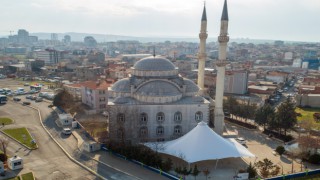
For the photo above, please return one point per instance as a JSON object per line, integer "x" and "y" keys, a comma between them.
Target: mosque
{"x": 156, "y": 104}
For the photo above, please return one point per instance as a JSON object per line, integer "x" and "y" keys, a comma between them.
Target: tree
{"x": 252, "y": 171}
{"x": 231, "y": 104}
{"x": 195, "y": 172}
{"x": 264, "y": 115}
{"x": 3, "y": 146}
{"x": 63, "y": 99}
{"x": 280, "y": 150}
{"x": 206, "y": 172}
{"x": 267, "y": 168}
{"x": 286, "y": 116}
{"x": 167, "y": 165}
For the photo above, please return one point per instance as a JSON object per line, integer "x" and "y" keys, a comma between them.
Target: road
{"x": 48, "y": 161}
{"x": 124, "y": 170}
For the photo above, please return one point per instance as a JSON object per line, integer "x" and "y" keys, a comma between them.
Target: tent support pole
{"x": 216, "y": 164}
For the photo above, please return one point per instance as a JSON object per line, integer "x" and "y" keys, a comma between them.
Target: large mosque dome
{"x": 153, "y": 80}
{"x": 154, "y": 66}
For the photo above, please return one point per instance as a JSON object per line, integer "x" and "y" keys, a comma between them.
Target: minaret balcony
{"x": 221, "y": 63}
{"x": 203, "y": 35}
{"x": 222, "y": 39}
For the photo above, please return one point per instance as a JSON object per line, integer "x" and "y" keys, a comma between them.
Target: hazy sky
{"x": 256, "y": 19}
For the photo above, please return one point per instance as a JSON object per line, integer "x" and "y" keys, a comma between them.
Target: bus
{"x": 35, "y": 88}
{"x": 3, "y": 99}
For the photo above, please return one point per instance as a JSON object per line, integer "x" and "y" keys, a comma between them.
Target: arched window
{"x": 177, "y": 117}
{"x": 198, "y": 116}
{"x": 121, "y": 117}
{"x": 143, "y": 118}
{"x": 143, "y": 131}
{"x": 160, "y": 130}
{"x": 120, "y": 133}
{"x": 160, "y": 117}
{"x": 177, "y": 130}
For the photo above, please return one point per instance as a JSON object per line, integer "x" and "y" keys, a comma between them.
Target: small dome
{"x": 191, "y": 86}
{"x": 159, "y": 88}
{"x": 154, "y": 64}
{"x": 122, "y": 85}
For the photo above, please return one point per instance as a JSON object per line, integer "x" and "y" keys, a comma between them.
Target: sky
{"x": 289, "y": 20}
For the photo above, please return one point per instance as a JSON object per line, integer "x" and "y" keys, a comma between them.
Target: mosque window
{"x": 121, "y": 117}
{"x": 177, "y": 117}
{"x": 198, "y": 116}
{"x": 143, "y": 118}
{"x": 120, "y": 133}
{"x": 177, "y": 130}
{"x": 160, "y": 117}
{"x": 143, "y": 131}
{"x": 160, "y": 130}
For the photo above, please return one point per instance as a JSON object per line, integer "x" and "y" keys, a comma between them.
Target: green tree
{"x": 195, "y": 172}
{"x": 231, "y": 105}
{"x": 264, "y": 115}
{"x": 267, "y": 168}
{"x": 286, "y": 116}
{"x": 252, "y": 171}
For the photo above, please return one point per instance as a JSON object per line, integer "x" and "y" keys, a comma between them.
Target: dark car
{"x": 16, "y": 99}
{"x": 26, "y": 103}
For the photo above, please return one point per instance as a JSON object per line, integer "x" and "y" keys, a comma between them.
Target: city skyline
{"x": 289, "y": 20}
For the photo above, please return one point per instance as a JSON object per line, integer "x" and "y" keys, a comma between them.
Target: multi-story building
{"x": 49, "y": 56}
{"x": 95, "y": 95}
{"x": 236, "y": 82}
{"x": 89, "y": 72}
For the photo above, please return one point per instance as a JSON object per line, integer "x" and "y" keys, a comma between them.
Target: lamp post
{"x": 279, "y": 163}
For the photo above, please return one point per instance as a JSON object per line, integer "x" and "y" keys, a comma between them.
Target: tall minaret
{"x": 221, "y": 65}
{"x": 202, "y": 50}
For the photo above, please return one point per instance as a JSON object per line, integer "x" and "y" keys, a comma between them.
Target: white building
{"x": 49, "y": 56}
{"x": 155, "y": 103}
{"x": 236, "y": 82}
{"x": 15, "y": 163}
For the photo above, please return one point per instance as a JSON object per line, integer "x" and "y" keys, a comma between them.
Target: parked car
{"x": 16, "y": 99}
{"x": 28, "y": 96}
{"x": 26, "y": 103}
{"x": 39, "y": 99}
{"x": 241, "y": 141}
{"x": 33, "y": 97}
{"x": 66, "y": 131}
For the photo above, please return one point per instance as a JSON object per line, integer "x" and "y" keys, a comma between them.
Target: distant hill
{"x": 108, "y": 38}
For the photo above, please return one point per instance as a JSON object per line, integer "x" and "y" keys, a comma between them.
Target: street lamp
{"x": 279, "y": 163}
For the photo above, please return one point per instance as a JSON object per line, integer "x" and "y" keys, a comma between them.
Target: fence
{"x": 296, "y": 175}
{"x": 159, "y": 171}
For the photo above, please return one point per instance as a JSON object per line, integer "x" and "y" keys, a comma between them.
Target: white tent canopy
{"x": 200, "y": 144}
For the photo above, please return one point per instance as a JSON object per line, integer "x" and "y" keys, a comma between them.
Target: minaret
{"x": 221, "y": 65}
{"x": 202, "y": 50}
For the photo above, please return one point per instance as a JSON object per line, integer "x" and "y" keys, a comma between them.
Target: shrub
{"x": 314, "y": 159}
{"x": 280, "y": 150}
{"x": 3, "y": 157}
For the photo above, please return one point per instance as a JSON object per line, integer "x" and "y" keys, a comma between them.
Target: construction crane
{"x": 10, "y": 31}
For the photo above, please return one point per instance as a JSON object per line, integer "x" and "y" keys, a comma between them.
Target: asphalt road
{"x": 48, "y": 161}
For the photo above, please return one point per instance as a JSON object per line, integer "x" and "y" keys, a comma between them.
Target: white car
{"x": 241, "y": 141}
{"x": 66, "y": 131}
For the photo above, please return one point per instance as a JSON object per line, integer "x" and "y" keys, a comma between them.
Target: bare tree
{"x": 4, "y": 142}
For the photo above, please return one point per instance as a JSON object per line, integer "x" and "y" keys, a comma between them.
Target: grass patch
{"x": 5, "y": 121}
{"x": 27, "y": 176}
{"x": 22, "y": 135}
{"x": 307, "y": 113}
